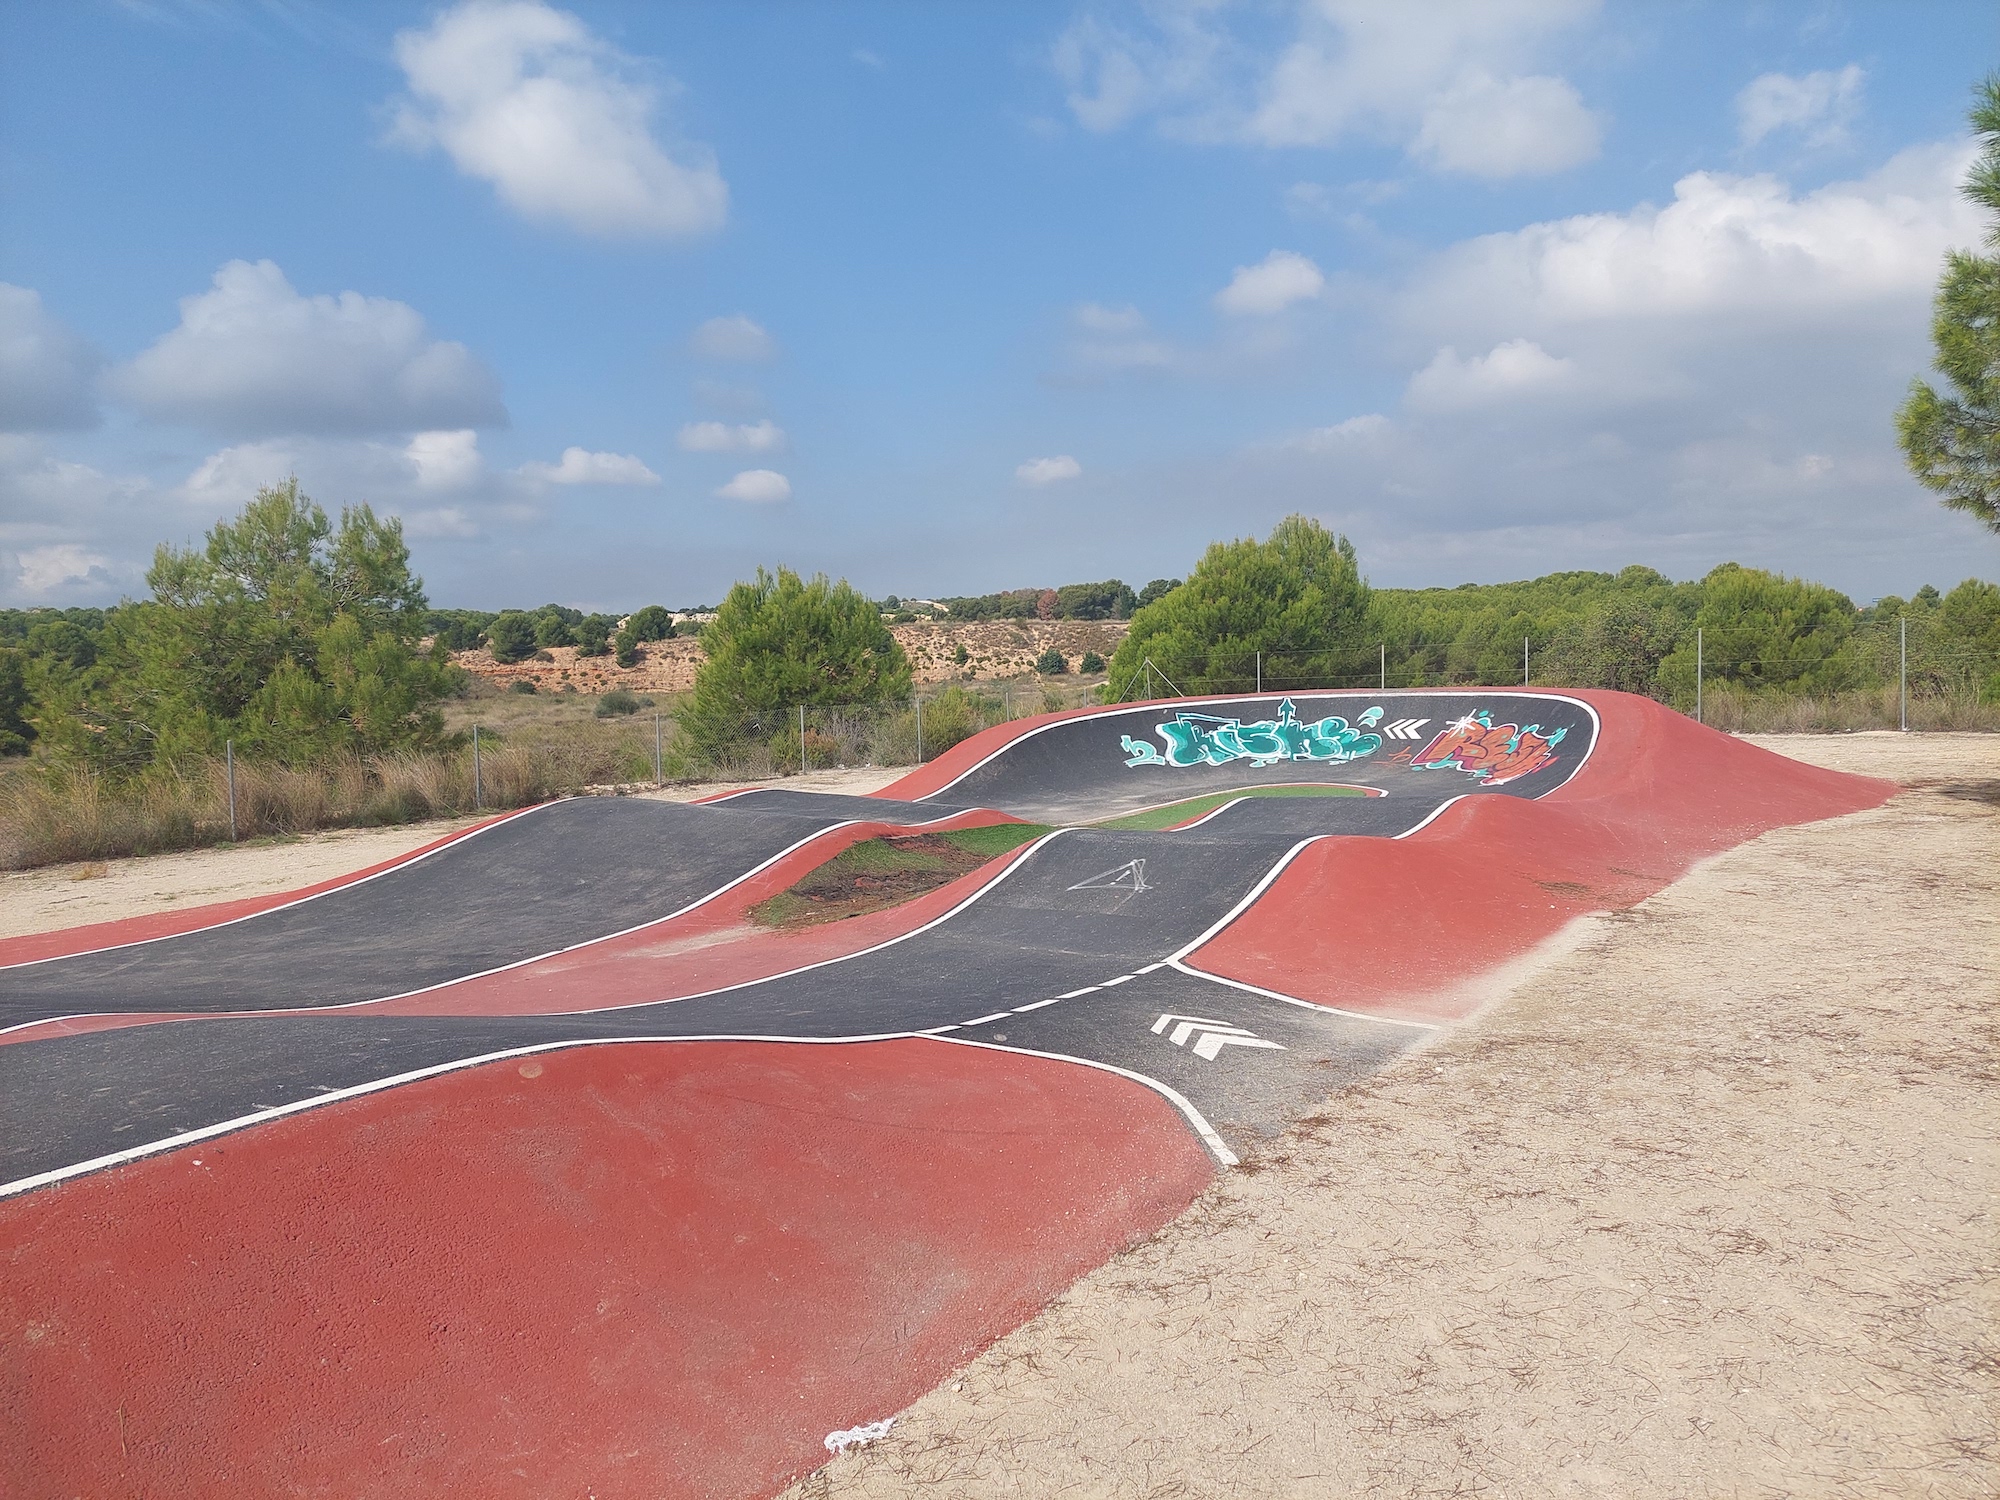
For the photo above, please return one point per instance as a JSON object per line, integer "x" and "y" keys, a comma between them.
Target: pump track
{"x": 525, "y": 1166}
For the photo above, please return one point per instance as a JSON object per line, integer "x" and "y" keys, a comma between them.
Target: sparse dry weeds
{"x": 1702, "y": 1209}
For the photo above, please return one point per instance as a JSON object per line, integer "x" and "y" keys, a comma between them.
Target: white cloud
{"x": 41, "y": 571}
{"x": 731, "y": 437}
{"x": 1482, "y": 126}
{"x": 580, "y": 466}
{"x": 757, "y": 486}
{"x": 1517, "y": 368}
{"x": 1111, "y": 339}
{"x": 251, "y": 357}
{"x": 1094, "y": 317}
{"x": 734, "y": 338}
{"x": 525, "y": 97}
{"x": 1818, "y": 105}
{"x": 1272, "y": 285}
{"x": 1369, "y": 427}
{"x": 1747, "y": 247}
{"x": 45, "y": 369}
{"x": 1463, "y": 86}
{"x": 1040, "y": 471}
{"x": 445, "y": 460}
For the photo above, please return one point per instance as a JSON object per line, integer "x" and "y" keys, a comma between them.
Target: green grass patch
{"x": 1194, "y": 807}
{"x": 997, "y": 839}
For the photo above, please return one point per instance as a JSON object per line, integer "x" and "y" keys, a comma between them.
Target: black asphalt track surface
{"x": 1095, "y": 911}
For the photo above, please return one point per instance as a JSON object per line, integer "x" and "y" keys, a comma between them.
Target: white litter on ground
{"x": 858, "y": 1437}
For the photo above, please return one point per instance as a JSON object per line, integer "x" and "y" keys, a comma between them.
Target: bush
{"x": 627, "y": 648}
{"x": 653, "y": 623}
{"x": 1051, "y": 663}
{"x": 511, "y": 636}
{"x": 617, "y": 701}
{"x": 593, "y": 636}
{"x": 783, "y": 641}
{"x": 1091, "y": 662}
{"x": 522, "y": 685}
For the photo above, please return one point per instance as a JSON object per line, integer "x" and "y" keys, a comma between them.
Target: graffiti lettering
{"x": 1492, "y": 753}
{"x": 1204, "y": 740}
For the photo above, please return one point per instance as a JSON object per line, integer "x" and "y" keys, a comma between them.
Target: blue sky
{"x": 613, "y": 303}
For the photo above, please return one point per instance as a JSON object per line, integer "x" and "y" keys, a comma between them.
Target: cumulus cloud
{"x": 1461, "y": 87}
{"x": 1272, "y": 285}
{"x": 581, "y": 466}
{"x": 757, "y": 486}
{"x": 731, "y": 437}
{"x": 527, "y": 98}
{"x": 1112, "y": 339}
{"x": 253, "y": 357}
{"x": 1747, "y": 247}
{"x": 735, "y": 338}
{"x": 445, "y": 460}
{"x": 45, "y": 369}
{"x": 1040, "y": 471}
{"x": 1820, "y": 106}
{"x": 1517, "y": 368}
{"x": 41, "y": 571}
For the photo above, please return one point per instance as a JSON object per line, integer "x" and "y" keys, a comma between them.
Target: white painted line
{"x": 1025, "y": 852}
{"x": 998, "y": 1015}
{"x": 1353, "y": 1015}
{"x": 1433, "y": 815}
{"x": 1218, "y": 1148}
{"x": 1088, "y": 989}
{"x": 258, "y": 1117}
{"x": 1121, "y": 979}
{"x": 399, "y": 865}
{"x": 936, "y": 1030}
{"x": 1249, "y": 897}
{"x": 1022, "y": 1010}
{"x": 1151, "y": 967}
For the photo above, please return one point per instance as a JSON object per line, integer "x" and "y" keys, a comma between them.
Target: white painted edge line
{"x": 443, "y": 984}
{"x": 1088, "y": 989}
{"x": 1366, "y": 791}
{"x": 1597, "y": 727}
{"x": 346, "y": 885}
{"x": 1433, "y": 815}
{"x": 332, "y": 1096}
{"x": 313, "y": 1010}
{"x": 1255, "y": 989}
{"x": 1022, "y": 1010}
{"x": 1249, "y": 898}
{"x": 934, "y": 1030}
{"x": 1026, "y": 851}
{"x": 1106, "y": 984}
{"x": 998, "y": 1015}
{"x": 1151, "y": 967}
{"x": 1217, "y": 1147}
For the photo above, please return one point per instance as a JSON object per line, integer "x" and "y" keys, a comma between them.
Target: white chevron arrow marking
{"x": 1210, "y": 1036}
{"x": 1405, "y": 729}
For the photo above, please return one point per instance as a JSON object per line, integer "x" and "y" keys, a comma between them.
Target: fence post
{"x": 1903, "y": 672}
{"x": 920, "y": 727}
{"x": 1260, "y": 671}
{"x": 229, "y": 760}
{"x": 478, "y": 789}
{"x": 1524, "y": 661}
{"x": 802, "y": 739}
{"x": 1697, "y": 674}
{"x": 1385, "y": 668}
{"x": 659, "y": 775}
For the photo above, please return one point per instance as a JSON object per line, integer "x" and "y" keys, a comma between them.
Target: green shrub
{"x": 627, "y": 648}
{"x": 1051, "y": 663}
{"x": 593, "y": 636}
{"x": 617, "y": 701}
{"x": 522, "y": 685}
{"x": 1091, "y": 662}
{"x": 653, "y": 623}
{"x": 511, "y": 636}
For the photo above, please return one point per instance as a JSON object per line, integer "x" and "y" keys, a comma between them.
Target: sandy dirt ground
{"x": 60, "y": 896}
{"x": 1703, "y": 1207}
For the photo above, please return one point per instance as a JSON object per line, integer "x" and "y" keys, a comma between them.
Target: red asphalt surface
{"x": 626, "y": 1270}
{"x": 671, "y": 1269}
